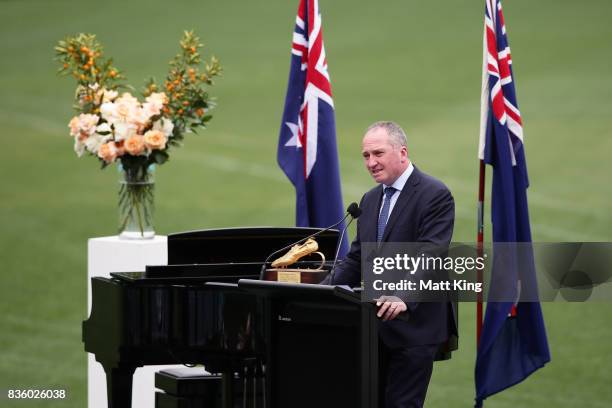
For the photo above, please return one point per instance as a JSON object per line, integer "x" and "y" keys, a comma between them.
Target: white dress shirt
{"x": 398, "y": 185}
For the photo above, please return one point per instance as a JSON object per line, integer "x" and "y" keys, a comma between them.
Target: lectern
{"x": 322, "y": 348}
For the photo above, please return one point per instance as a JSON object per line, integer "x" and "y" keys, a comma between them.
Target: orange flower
{"x": 135, "y": 145}
{"x": 155, "y": 139}
{"x": 108, "y": 152}
{"x": 75, "y": 126}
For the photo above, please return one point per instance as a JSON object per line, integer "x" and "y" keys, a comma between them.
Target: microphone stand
{"x": 263, "y": 267}
{"x": 333, "y": 268}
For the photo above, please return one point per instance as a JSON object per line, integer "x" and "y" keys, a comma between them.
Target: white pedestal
{"x": 111, "y": 254}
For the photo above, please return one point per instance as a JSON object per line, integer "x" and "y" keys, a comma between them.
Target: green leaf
{"x": 159, "y": 156}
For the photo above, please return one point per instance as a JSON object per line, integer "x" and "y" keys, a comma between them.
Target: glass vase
{"x": 136, "y": 202}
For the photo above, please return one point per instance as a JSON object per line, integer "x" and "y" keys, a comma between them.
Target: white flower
{"x": 124, "y": 130}
{"x": 94, "y": 142}
{"x": 79, "y": 147}
{"x": 127, "y": 99}
{"x": 151, "y": 109}
{"x": 103, "y": 128}
{"x": 83, "y": 126}
{"x": 157, "y": 98}
{"x": 139, "y": 117}
{"x": 108, "y": 110}
{"x": 109, "y": 95}
{"x": 154, "y": 103}
{"x": 102, "y": 94}
{"x": 165, "y": 125}
{"x": 124, "y": 110}
{"x": 88, "y": 123}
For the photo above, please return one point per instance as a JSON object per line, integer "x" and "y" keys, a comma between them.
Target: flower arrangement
{"x": 115, "y": 126}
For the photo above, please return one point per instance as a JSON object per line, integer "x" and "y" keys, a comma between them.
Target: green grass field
{"x": 415, "y": 62}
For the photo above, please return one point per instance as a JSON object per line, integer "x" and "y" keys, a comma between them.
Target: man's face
{"x": 384, "y": 161}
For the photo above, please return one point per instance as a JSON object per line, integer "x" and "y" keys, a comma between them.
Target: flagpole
{"x": 479, "y": 247}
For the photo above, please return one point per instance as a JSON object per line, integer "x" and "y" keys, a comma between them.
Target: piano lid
{"x": 241, "y": 245}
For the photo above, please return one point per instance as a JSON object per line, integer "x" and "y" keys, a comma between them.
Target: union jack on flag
{"x": 307, "y": 150}
{"x": 498, "y": 93}
{"x": 513, "y": 341}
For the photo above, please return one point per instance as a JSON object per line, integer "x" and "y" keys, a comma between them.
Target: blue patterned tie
{"x": 384, "y": 213}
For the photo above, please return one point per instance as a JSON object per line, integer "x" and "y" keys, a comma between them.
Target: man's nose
{"x": 371, "y": 162}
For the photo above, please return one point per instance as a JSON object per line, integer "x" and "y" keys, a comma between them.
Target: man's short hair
{"x": 397, "y": 137}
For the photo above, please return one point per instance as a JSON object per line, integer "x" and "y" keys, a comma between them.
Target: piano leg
{"x": 227, "y": 389}
{"x": 119, "y": 386}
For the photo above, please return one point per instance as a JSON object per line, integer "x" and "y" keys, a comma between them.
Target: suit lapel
{"x": 369, "y": 233}
{"x": 404, "y": 198}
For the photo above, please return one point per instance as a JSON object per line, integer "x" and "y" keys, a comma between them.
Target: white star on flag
{"x": 295, "y": 139}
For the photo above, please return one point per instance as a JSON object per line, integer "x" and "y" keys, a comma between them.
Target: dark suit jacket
{"x": 424, "y": 212}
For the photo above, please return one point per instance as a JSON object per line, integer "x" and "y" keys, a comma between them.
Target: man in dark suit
{"x": 406, "y": 206}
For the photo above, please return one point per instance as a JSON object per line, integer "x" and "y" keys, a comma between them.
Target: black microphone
{"x": 355, "y": 212}
{"x": 352, "y": 209}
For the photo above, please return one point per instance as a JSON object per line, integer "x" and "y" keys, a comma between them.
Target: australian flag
{"x": 307, "y": 150}
{"x": 513, "y": 342}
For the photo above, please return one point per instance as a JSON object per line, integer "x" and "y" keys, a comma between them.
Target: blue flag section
{"x": 513, "y": 341}
{"x": 307, "y": 150}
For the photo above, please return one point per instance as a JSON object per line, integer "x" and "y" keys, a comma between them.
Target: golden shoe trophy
{"x": 279, "y": 271}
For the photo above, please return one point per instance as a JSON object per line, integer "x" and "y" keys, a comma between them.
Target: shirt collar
{"x": 402, "y": 179}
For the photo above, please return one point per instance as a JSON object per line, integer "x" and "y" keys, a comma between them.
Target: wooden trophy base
{"x": 293, "y": 275}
